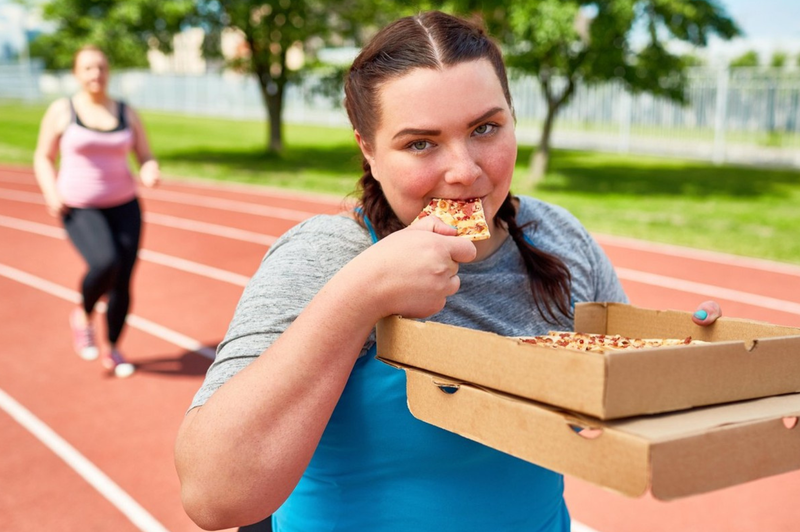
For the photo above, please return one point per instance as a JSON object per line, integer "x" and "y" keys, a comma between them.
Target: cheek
{"x": 406, "y": 183}
{"x": 499, "y": 163}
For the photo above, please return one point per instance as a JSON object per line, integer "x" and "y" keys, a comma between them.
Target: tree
{"x": 124, "y": 29}
{"x": 746, "y": 60}
{"x": 778, "y": 59}
{"x": 271, "y": 27}
{"x": 568, "y": 42}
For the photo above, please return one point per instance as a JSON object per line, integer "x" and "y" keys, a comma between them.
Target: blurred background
{"x": 680, "y": 115}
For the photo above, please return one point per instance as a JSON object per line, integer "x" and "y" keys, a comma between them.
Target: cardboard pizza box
{"x": 743, "y": 359}
{"x": 671, "y": 455}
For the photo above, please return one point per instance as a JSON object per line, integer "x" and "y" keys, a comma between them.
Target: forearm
{"x": 45, "y": 170}
{"x": 243, "y": 452}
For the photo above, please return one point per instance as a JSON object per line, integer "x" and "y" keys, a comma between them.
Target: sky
{"x": 769, "y": 26}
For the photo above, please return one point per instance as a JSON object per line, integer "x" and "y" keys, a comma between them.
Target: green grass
{"x": 741, "y": 210}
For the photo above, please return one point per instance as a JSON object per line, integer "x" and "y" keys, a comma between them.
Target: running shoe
{"x": 82, "y": 335}
{"x": 114, "y": 361}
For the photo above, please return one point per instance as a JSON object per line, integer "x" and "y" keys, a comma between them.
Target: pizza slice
{"x": 465, "y": 215}
{"x": 603, "y": 342}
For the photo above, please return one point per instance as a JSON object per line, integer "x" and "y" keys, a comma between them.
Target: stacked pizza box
{"x": 677, "y": 420}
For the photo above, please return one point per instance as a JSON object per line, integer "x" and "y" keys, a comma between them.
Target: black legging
{"x": 108, "y": 239}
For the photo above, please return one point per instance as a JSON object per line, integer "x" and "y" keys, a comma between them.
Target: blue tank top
{"x": 379, "y": 469}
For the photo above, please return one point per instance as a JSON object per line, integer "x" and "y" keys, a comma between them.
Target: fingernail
{"x": 701, "y": 314}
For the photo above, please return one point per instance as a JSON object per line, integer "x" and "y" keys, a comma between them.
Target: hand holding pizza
{"x": 414, "y": 270}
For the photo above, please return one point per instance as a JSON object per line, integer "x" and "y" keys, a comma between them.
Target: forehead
{"x": 428, "y": 97}
{"x": 90, "y": 57}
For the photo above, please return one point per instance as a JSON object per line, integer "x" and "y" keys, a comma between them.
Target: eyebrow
{"x": 434, "y": 132}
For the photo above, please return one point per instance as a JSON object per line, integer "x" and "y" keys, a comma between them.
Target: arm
{"x": 44, "y": 159}
{"x": 149, "y": 172}
{"x": 241, "y": 454}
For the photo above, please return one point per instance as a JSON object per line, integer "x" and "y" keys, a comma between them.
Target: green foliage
{"x": 747, "y": 59}
{"x": 567, "y": 42}
{"x": 124, "y": 29}
{"x": 778, "y": 60}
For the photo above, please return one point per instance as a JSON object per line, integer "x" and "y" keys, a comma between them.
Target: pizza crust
{"x": 466, "y": 216}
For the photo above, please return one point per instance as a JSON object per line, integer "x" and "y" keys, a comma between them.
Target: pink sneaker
{"x": 82, "y": 335}
{"x": 113, "y": 360}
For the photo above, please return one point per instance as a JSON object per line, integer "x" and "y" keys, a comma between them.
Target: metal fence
{"x": 745, "y": 116}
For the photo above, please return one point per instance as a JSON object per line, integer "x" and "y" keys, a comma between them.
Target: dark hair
{"x": 436, "y": 40}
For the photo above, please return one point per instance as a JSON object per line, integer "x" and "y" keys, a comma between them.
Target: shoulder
{"x": 131, "y": 116}
{"x": 329, "y": 240}
{"x": 540, "y": 213}
{"x": 57, "y": 114}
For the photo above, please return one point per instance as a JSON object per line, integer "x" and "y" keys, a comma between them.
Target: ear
{"x": 366, "y": 149}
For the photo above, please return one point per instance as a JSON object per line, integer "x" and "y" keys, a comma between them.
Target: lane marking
{"x": 671, "y": 283}
{"x": 26, "y": 177}
{"x": 789, "y": 307}
{"x": 151, "y": 256}
{"x": 227, "y": 205}
{"x": 715, "y": 257}
{"x": 137, "y": 322}
{"x": 135, "y": 513}
{"x": 258, "y": 238}
{"x": 209, "y": 229}
{"x": 164, "y": 220}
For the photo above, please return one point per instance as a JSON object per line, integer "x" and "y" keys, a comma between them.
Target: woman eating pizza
{"x": 296, "y": 418}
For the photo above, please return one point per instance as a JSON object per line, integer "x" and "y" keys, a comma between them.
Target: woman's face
{"x": 443, "y": 134}
{"x": 91, "y": 71}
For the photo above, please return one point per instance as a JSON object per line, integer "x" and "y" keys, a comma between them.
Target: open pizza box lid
{"x": 743, "y": 359}
{"x": 672, "y": 455}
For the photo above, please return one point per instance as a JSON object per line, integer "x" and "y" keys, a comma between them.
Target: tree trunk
{"x": 272, "y": 94}
{"x": 541, "y": 155}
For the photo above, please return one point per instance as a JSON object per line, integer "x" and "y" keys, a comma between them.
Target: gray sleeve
{"x": 290, "y": 275}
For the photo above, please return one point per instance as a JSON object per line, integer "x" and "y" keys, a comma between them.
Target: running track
{"x": 81, "y": 451}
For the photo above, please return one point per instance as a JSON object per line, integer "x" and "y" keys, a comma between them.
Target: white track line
{"x": 137, "y": 322}
{"x": 671, "y": 283}
{"x": 140, "y": 517}
{"x": 790, "y": 307}
{"x": 209, "y": 228}
{"x": 698, "y": 254}
{"x": 227, "y": 205}
{"x": 164, "y": 220}
{"x": 145, "y": 254}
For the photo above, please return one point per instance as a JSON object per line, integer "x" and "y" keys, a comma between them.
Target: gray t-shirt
{"x": 494, "y": 295}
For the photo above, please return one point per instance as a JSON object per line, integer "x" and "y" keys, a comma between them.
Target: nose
{"x": 462, "y": 166}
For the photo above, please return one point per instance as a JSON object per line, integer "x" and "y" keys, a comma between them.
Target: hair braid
{"x": 549, "y": 277}
{"x": 374, "y": 205}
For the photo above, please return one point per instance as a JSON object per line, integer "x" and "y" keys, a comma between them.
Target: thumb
{"x": 435, "y": 225}
{"x": 707, "y": 313}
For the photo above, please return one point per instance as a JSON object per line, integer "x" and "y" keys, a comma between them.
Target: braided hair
{"x": 435, "y": 40}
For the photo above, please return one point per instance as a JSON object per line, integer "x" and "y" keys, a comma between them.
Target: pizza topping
{"x": 602, "y": 342}
{"x": 465, "y": 215}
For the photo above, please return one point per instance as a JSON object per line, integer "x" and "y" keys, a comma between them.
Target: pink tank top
{"x": 94, "y": 170}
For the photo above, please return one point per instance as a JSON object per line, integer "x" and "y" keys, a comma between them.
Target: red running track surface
{"x": 82, "y": 451}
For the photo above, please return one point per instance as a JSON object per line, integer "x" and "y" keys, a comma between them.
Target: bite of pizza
{"x": 465, "y": 215}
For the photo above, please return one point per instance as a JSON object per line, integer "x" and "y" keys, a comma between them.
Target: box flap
{"x": 532, "y": 432}
{"x": 676, "y": 455}
{"x": 636, "y": 322}
{"x": 730, "y": 445}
